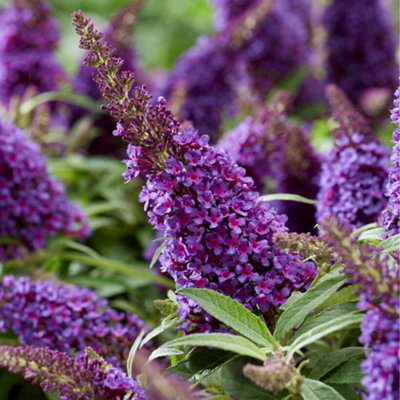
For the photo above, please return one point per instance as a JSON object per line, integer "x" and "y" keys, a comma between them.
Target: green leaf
{"x": 232, "y": 314}
{"x": 347, "y": 391}
{"x": 166, "y": 323}
{"x": 223, "y": 341}
{"x": 287, "y": 197}
{"x": 294, "y": 315}
{"x": 315, "y": 390}
{"x": 332, "y": 360}
{"x": 132, "y": 352}
{"x": 201, "y": 363}
{"x": 364, "y": 228}
{"x": 333, "y": 325}
{"x": 238, "y": 386}
{"x": 344, "y": 295}
{"x": 328, "y": 314}
{"x": 348, "y": 372}
{"x": 158, "y": 251}
{"x": 293, "y": 297}
{"x": 391, "y": 244}
{"x": 372, "y": 235}
{"x": 164, "y": 352}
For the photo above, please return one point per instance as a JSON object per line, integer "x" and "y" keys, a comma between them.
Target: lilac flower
{"x": 391, "y": 215}
{"x": 362, "y": 47}
{"x": 64, "y": 318}
{"x": 74, "y": 378}
{"x": 162, "y": 151}
{"x": 379, "y": 285}
{"x": 354, "y": 173}
{"x": 28, "y": 38}
{"x": 32, "y": 203}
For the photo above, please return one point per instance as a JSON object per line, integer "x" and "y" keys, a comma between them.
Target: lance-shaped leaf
{"x": 224, "y": 341}
{"x": 334, "y": 325}
{"x": 315, "y": 390}
{"x": 232, "y": 314}
{"x": 287, "y": 197}
{"x": 294, "y": 315}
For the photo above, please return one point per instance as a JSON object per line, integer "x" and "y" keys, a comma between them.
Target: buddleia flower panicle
{"x": 361, "y": 45}
{"x": 28, "y": 39}
{"x": 379, "y": 287}
{"x": 65, "y": 318}
{"x": 390, "y": 219}
{"x": 33, "y": 205}
{"x": 73, "y": 378}
{"x": 220, "y": 234}
{"x": 354, "y": 172}
{"x": 278, "y": 44}
{"x": 271, "y": 148}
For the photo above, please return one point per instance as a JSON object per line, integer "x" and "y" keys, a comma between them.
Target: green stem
{"x": 119, "y": 267}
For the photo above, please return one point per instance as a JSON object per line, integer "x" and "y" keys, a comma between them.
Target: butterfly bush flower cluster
{"x": 361, "y": 47}
{"x": 279, "y": 44}
{"x": 275, "y": 149}
{"x": 379, "y": 285}
{"x": 85, "y": 377}
{"x": 32, "y": 203}
{"x": 220, "y": 233}
{"x": 391, "y": 215}
{"x": 28, "y": 37}
{"x": 354, "y": 173}
{"x": 65, "y": 318}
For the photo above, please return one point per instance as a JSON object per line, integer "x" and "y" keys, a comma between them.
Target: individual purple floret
{"x": 354, "y": 173}
{"x": 28, "y": 38}
{"x": 33, "y": 205}
{"x": 65, "y": 318}
{"x": 86, "y": 377}
{"x": 379, "y": 285}
{"x": 220, "y": 233}
{"x": 391, "y": 215}
{"x": 206, "y": 71}
{"x": 362, "y": 47}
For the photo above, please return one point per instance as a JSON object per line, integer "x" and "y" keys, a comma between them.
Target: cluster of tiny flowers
{"x": 220, "y": 234}
{"x": 74, "y": 378}
{"x": 205, "y": 70}
{"x": 391, "y": 215}
{"x": 355, "y": 171}
{"x": 32, "y": 203}
{"x": 279, "y": 43}
{"x": 362, "y": 47}
{"x": 27, "y": 42}
{"x": 64, "y": 318}
{"x": 379, "y": 285}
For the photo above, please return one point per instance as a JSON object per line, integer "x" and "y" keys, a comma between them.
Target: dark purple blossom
{"x": 379, "y": 284}
{"x": 65, "y": 318}
{"x": 362, "y": 47}
{"x": 354, "y": 173}
{"x": 28, "y": 38}
{"x": 32, "y": 203}
{"x": 86, "y": 377}
{"x": 158, "y": 149}
{"x": 391, "y": 215}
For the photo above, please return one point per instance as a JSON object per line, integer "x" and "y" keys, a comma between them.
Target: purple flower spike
{"x": 28, "y": 38}
{"x": 82, "y": 378}
{"x": 205, "y": 183}
{"x": 64, "y": 318}
{"x": 32, "y": 203}
{"x": 362, "y": 47}
{"x": 354, "y": 174}
{"x": 391, "y": 215}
